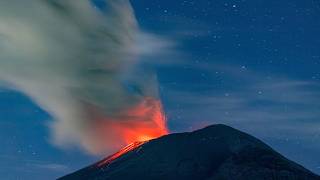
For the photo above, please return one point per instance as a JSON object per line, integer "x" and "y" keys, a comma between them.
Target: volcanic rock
{"x": 216, "y": 152}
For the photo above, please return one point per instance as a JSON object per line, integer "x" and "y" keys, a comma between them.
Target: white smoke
{"x": 67, "y": 56}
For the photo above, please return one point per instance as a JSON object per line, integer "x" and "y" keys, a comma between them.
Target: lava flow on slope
{"x": 138, "y": 125}
{"x": 118, "y": 154}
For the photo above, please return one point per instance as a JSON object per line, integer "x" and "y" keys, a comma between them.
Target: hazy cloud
{"x": 80, "y": 64}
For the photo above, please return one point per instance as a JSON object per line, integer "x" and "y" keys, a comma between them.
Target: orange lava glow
{"x": 124, "y": 150}
{"x": 148, "y": 123}
{"x": 140, "y": 123}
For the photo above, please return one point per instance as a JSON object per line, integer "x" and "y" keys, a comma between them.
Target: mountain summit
{"x": 216, "y": 152}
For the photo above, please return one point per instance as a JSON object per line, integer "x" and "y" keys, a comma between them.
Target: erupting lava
{"x": 146, "y": 121}
{"x": 140, "y": 123}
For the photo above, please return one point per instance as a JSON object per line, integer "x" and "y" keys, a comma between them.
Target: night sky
{"x": 251, "y": 64}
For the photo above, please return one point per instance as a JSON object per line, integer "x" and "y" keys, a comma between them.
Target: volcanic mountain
{"x": 216, "y": 152}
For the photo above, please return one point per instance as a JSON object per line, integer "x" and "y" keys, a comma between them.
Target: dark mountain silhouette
{"x": 217, "y": 152}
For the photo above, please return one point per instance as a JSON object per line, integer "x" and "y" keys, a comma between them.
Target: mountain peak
{"x": 214, "y": 152}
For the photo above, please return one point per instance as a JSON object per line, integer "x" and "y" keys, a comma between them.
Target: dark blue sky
{"x": 251, "y": 64}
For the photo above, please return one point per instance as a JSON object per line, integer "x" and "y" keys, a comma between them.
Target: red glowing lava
{"x": 144, "y": 122}
{"x": 123, "y": 151}
{"x": 140, "y": 123}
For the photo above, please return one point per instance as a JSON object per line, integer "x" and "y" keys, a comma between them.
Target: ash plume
{"x": 80, "y": 64}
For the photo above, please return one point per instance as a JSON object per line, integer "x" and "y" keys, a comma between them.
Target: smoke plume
{"x": 80, "y": 63}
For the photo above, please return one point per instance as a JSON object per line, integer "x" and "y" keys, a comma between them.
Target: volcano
{"x": 216, "y": 152}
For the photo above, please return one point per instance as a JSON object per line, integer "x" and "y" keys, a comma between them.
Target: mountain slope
{"x": 213, "y": 153}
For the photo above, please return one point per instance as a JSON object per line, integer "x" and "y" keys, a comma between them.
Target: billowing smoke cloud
{"x": 78, "y": 63}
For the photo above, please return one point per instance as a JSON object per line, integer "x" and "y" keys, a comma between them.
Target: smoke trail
{"x": 78, "y": 63}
